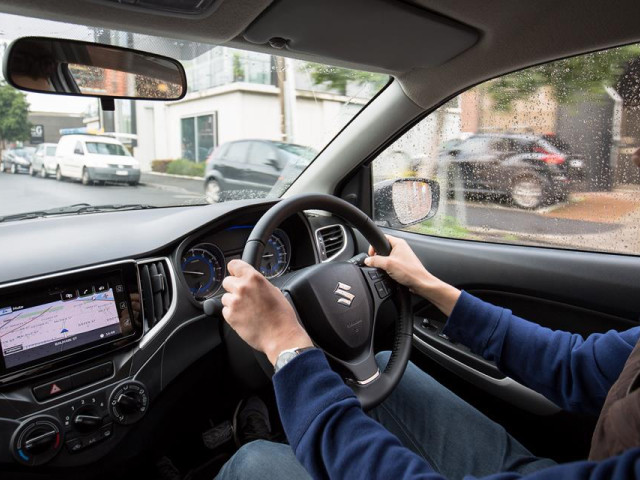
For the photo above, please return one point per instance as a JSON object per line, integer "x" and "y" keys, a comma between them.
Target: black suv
{"x": 528, "y": 169}
{"x": 250, "y": 168}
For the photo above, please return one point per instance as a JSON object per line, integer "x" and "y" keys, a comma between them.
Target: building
{"x": 232, "y": 95}
{"x": 53, "y": 122}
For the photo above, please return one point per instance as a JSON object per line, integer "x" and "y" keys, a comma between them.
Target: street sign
{"x": 37, "y": 134}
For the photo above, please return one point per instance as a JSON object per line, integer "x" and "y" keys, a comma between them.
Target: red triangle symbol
{"x": 54, "y": 389}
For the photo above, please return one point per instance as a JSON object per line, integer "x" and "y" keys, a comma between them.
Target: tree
{"x": 14, "y": 111}
{"x": 570, "y": 79}
{"x": 337, "y": 78}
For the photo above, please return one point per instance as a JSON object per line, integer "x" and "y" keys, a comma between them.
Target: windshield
{"x": 106, "y": 148}
{"x": 248, "y": 126}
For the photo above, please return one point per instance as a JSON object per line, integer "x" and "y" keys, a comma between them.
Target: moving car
{"x": 526, "y": 168}
{"x": 252, "y": 166}
{"x": 44, "y": 160}
{"x": 17, "y": 160}
{"x": 115, "y": 363}
{"x": 93, "y": 158}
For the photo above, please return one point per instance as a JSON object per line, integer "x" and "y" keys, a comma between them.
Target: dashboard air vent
{"x": 332, "y": 240}
{"x": 156, "y": 290}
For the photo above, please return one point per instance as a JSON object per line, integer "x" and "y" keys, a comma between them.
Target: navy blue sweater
{"x": 333, "y": 438}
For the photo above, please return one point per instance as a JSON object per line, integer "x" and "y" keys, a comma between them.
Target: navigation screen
{"x": 83, "y": 314}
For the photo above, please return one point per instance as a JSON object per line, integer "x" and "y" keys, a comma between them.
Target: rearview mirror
{"x": 405, "y": 201}
{"x": 70, "y": 67}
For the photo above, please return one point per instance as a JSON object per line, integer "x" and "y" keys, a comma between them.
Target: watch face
{"x": 284, "y": 358}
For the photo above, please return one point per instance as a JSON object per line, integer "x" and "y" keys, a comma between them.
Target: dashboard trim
{"x": 153, "y": 331}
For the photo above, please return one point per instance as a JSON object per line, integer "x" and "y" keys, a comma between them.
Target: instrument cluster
{"x": 204, "y": 265}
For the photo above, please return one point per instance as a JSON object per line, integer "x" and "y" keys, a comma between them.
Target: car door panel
{"x": 564, "y": 290}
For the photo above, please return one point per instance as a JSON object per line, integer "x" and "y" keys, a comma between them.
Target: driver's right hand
{"x": 405, "y": 267}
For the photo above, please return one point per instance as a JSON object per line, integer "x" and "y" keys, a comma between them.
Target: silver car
{"x": 44, "y": 160}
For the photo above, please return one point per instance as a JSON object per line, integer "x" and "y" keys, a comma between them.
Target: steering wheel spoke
{"x": 359, "y": 372}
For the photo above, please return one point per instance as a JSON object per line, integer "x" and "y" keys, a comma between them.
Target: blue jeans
{"x": 451, "y": 435}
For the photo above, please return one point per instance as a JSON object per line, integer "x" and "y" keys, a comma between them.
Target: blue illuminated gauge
{"x": 203, "y": 270}
{"x": 276, "y": 255}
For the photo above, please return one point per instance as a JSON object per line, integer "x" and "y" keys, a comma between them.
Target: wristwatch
{"x": 287, "y": 355}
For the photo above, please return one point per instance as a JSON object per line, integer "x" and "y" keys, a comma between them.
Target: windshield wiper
{"x": 76, "y": 208}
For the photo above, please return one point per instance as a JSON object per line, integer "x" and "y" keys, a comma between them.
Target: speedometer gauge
{"x": 203, "y": 269}
{"x": 276, "y": 255}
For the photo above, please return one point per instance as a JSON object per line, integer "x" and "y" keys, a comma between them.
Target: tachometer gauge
{"x": 276, "y": 255}
{"x": 203, "y": 270}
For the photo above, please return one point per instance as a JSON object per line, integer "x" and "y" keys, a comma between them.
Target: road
{"x": 21, "y": 193}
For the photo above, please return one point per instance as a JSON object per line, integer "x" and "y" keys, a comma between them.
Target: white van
{"x": 94, "y": 158}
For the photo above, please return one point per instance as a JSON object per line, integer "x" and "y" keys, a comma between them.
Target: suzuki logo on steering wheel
{"x": 342, "y": 289}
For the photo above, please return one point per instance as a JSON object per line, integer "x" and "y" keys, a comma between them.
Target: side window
{"x": 237, "y": 152}
{"x": 548, "y": 156}
{"x": 264, "y": 155}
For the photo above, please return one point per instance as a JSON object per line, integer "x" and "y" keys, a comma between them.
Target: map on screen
{"x": 59, "y": 325}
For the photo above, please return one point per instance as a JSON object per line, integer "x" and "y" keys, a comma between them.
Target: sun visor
{"x": 382, "y": 34}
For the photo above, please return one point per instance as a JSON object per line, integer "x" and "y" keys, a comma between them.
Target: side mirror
{"x": 405, "y": 201}
{"x": 71, "y": 67}
{"x": 78, "y": 151}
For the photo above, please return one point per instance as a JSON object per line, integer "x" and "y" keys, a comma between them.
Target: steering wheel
{"x": 337, "y": 302}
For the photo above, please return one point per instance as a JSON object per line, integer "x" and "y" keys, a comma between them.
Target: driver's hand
{"x": 406, "y": 268}
{"x": 260, "y": 313}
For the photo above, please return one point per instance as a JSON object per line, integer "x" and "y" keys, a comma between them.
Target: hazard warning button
{"x": 52, "y": 389}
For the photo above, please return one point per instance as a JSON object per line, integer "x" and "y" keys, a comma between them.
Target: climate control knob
{"x": 128, "y": 402}
{"x": 37, "y": 440}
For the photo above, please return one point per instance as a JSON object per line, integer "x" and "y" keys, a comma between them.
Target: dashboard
{"x": 93, "y": 333}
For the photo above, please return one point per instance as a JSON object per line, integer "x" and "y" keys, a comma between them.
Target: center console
{"x": 65, "y": 344}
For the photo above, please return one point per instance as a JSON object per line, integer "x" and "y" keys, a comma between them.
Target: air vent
{"x": 156, "y": 290}
{"x": 332, "y": 241}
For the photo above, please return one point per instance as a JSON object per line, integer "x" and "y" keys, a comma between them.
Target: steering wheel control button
{"x": 51, "y": 389}
{"x": 128, "y": 402}
{"x": 381, "y": 289}
{"x": 36, "y": 441}
{"x": 373, "y": 274}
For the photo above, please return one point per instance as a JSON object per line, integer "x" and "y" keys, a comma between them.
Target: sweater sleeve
{"x": 573, "y": 372}
{"x": 333, "y": 438}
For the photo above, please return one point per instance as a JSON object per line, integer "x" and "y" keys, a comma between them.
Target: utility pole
{"x": 285, "y": 69}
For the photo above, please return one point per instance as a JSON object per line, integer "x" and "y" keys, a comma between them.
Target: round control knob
{"x": 37, "y": 440}
{"x": 87, "y": 419}
{"x": 128, "y": 402}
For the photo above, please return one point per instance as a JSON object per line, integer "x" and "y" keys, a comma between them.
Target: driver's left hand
{"x": 260, "y": 313}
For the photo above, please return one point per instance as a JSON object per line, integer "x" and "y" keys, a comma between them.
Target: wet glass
{"x": 181, "y": 152}
{"x": 547, "y": 156}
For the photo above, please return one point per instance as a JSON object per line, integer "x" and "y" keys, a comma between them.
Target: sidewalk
{"x": 620, "y": 207}
{"x": 175, "y": 183}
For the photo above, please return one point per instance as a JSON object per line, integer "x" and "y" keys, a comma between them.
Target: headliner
{"x": 512, "y": 34}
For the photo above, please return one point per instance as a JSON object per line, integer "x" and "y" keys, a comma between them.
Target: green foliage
{"x": 448, "y": 227}
{"x": 238, "y": 69}
{"x": 186, "y": 167}
{"x": 160, "y": 165}
{"x": 337, "y": 78}
{"x": 570, "y": 79}
{"x": 14, "y": 111}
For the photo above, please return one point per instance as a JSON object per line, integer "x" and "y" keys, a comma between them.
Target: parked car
{"x": 252, "y": 166}
{"x": 526, "y": 168}
{"x": 17, "y": 160}
{"x": 93, "y": 158}
{"x": 575, "y": 162}
{"x": 44, "y": 160}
